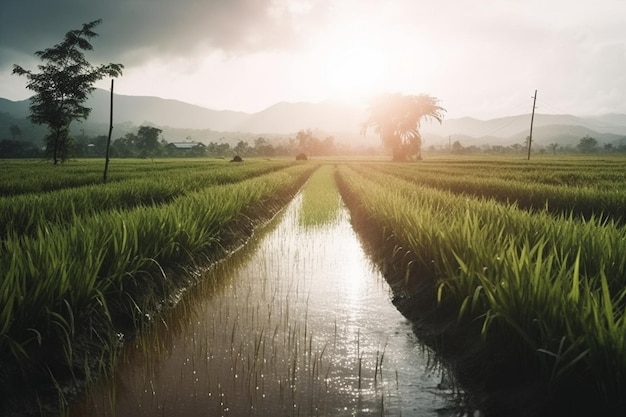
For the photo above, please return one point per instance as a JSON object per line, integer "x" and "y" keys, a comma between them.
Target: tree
{"x": 587, "y": 144}
{"x": 553, "y": 146}
{"x": 18, "y": 149}
{"x": 125, "y": 146}
{"x": 457, "y": 147}
{"x": 15, "y": 132}
{"x": 305, "y": 140}
{"x": 242, "y": 148}
{"x": 62, "y": 86}
{"x": 397, "y": 118}
{"x": 327, "y": 146}
{"x": 263, "y": 147}
{"x": 148, "y": 140}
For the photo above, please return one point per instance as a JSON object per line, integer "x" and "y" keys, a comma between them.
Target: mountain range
{"x": 180, "y": 120}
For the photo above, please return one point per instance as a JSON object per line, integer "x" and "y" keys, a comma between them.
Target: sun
{"x": 353, "y": 69}
{"x": 352, "y": 65}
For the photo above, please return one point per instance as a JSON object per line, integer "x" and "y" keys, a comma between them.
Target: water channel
{"x": 299, "y": 322}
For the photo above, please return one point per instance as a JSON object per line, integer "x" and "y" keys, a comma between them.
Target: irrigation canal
{"x": 298, "y": 322}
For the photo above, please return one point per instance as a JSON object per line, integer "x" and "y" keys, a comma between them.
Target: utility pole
{"x": 106, "y": 158}
{"x": 532, "y": 118}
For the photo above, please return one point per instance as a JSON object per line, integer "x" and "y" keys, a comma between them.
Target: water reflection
{"x": 298, "y": 323}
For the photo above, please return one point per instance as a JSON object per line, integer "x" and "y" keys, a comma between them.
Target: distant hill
{"x": 161, "y": 112}
{"x": 17, "y": 109}
{"x": 284, "y": 117}
{"x": 180, "y": 119}
{"x": 547, "y": 128}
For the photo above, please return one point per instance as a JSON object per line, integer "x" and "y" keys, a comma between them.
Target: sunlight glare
{"x": 353, "y": 64}
{"x": 354, "y": 70}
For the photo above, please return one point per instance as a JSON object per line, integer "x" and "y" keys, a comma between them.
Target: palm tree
{"x": 397, "y": 118}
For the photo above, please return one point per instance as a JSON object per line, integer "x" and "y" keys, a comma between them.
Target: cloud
{"x": 136, "y": 30}
{"x": 480, "y": 57}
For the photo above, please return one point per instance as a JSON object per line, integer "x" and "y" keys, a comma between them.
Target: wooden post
{"x": 106, "y": 158}
{"x": 532, "y": 118}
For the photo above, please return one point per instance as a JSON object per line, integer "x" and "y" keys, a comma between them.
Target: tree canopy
{"x": 62, "y": 86}
{"x": 397, "y": 119}
{"x": 587, "y": 144}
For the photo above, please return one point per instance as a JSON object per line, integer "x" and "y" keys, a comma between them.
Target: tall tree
{"x": 397, "y": 119}
{"x": 242, "y": 148}
{"x": 62, "y": 86}
{"x": 305, "y": 140}
{"x": 15, "y": 132}
{"x": 587, "y": 144}
{"x": 553, "y": 146}
{"x": 148, "y": 140}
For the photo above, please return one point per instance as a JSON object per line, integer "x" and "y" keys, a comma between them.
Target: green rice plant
{"x": 32, "y": 177}
{"x": 111, "y": 265}
{"x": 526, "y": 276}
{"x": 602, "y": 239}
{"x": 20, "y": 177}
{"x": 585, "y": 171}
{"x": 606, "y": 199}
{"x": 320, "y": 200}
{"x": 21, "y": 214}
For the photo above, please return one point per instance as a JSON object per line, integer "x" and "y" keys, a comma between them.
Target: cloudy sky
{"x": 481, "y": 58}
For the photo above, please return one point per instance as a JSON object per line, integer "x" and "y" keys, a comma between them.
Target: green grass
{"x": 558, "y": 186}
{"x": 320, "y": 205}
{"x": 21, "y": 214}
{"x": 528, "y": 255}
{"x": 68, "y": 288}
{"x": 550, "y": 289}
{"x": 29, "y": 176}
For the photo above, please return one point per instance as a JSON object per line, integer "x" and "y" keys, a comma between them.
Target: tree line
{"x": 66, "y": 78}
{"x": 147, "y": 142}
{"x": 586, "y": 145}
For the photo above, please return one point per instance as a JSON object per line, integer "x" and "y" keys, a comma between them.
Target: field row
{"x": 544, "y": 292}
{"x": 596, "y": 190}
{"x": 27, "y": 176}
{"x": 567, "y": 172}
{"x": 22, "y": 214}
{"x": 67, "y": 289}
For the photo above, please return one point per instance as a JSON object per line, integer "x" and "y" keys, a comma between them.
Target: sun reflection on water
{"x": 297, "y": 323}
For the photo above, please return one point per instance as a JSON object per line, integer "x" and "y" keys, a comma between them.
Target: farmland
{"x": 512, "y": 270}
{"x": 534, "y": 289}
{"x": 85, "y": 264}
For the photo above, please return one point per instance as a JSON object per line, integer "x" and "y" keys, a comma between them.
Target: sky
{"x": 480, "y": 58}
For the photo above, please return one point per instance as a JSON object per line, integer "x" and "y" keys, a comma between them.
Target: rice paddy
{"x": 511, "y": 271}
{"x": 299, "y": 322}
{"x": 542, "y": 288}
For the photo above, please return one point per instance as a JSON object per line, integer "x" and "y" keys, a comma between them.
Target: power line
{"x": 581, "y": 120}
{"x": 513, "y": 119}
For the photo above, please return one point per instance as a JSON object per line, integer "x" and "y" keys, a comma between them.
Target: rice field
{"x": 513, "y": 270}
{"x": 540, "y": 292}
{"x": 296, "y": 323}
{"x": 80, "y": 270}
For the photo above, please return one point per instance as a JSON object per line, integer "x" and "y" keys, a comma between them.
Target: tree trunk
{"x": 398, "y": 154}
{"x": 55, "y": 147}
{"x": 419, "y": 154}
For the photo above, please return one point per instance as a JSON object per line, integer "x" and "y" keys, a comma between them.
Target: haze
{"x": 480, "y": 58}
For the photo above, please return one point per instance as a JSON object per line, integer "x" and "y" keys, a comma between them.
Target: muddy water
{"x": 299, "y": 322}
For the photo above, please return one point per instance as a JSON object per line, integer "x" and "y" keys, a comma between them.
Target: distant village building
{"x": 185, "y": 149}
{"x": 185, "y": 145}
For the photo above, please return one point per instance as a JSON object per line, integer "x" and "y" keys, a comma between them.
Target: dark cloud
{"x": 135, "y": 30}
